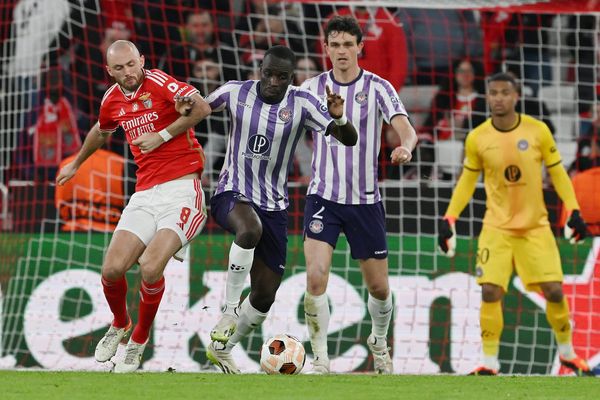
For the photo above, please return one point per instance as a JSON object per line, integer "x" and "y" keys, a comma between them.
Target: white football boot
{"x": 107, "y": 346}
{"x": 381, "y": 355}
{"x": 222, "y": 358}
{"x": 132, "y": 359}
{"x": 224, "y": 328}
{"x": 320, "y": 366}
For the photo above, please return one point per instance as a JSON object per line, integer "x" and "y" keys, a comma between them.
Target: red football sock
{"x": 116, "y": 296}
{"x": 150, "y": 296}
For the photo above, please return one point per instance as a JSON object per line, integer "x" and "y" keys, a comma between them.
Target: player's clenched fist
{"x": 148, "y": 142}
{"x": 401, "y": 155}
{"x": 447, "y": 237}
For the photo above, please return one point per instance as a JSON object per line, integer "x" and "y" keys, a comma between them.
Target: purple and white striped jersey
{"x": 348, "y": 175}
{"x": 262, "y": 139}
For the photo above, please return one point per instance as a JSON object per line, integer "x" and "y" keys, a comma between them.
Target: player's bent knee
{"x": 380, "y": 292}
{"x": 151, "y": 272}
{"x": 491, "y": 293}
{"x": 152, "y": 277}
{"x": 316, "y": 287}
{"x": 553, "y": 293}
{"x": 261, "y": 301}
{"x": 378, "y": 286}
{"x": 555, "y": 297}
{"x": 316, "y": 280}
{"x": 113, "y": 271}
{"x": 248, "y": 238}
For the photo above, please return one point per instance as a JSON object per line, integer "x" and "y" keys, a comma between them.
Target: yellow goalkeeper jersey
{"x": 511, "y": 162}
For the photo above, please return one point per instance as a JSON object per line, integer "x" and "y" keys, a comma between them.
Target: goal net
{"x": 436, "y": 54}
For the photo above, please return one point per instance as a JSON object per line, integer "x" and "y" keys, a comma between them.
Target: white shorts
{"x": 177, "y": 205}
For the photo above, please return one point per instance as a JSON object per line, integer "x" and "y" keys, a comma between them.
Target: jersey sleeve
{"x": 317, "y": 114}
{"x": 472, "y": 159}
{"x": 169, "y": 87}
{"x": 219, "y": 98}
{"x": 388, "y": 102}
{"x": 105, "y": 119}
{"x": 550, "y": 153}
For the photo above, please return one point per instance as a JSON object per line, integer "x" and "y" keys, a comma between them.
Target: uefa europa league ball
{"x": 282, "y": 354}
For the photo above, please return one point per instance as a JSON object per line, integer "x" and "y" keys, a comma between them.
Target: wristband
{"x": 341, "y": 120}
{"x": 165, "y": 135}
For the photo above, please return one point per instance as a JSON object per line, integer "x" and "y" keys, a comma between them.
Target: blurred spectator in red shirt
{"x": 55, "y": 133}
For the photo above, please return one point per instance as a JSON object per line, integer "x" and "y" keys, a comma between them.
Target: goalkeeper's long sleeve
{"x": 462, "y": 193}
{"x": 563, "y": 186}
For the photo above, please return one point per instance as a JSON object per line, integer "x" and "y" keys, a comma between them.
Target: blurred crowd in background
{"x": 437, "y": 60}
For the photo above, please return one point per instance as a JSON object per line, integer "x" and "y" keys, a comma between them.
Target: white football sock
{"x": 566, "y": 351}
{"x": 249, "y": 319}
{"x": 381, "y": 314}
{"x": 491, "y": 362}
{"x": 240, "y": 262}
{"x": 316, "y": 312}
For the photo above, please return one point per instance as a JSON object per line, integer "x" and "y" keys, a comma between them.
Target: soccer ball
{"x": 282, "y": 354}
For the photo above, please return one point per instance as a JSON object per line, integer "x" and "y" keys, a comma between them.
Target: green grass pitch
{"x": 198, "y": 386}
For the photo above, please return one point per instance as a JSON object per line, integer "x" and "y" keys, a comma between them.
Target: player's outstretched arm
{"x": 192, "y": 109}
{"x": 408, "y": 139}
{"x": 460, "y": 198}
{"x": 342, "y": 130}
{"x": 93, "y": 141}
{"x": 575, "y": 229}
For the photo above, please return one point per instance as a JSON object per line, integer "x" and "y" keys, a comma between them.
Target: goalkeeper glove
{"x": 575, "y": 228}
{"x": 447, "y": 236}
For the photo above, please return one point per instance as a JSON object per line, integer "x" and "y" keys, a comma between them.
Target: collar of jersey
{"x": 360, "y": 74}
{"x": 508, "y": 130}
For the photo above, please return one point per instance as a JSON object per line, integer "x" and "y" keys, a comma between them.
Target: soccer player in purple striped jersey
{"x": 268, "y": 117}
{"x": 343, "y": 194}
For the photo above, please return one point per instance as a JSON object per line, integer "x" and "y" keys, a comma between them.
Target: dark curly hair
{"x": 344, "y": 24}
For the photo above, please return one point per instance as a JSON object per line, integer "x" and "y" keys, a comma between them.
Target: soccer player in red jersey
{"x": 168, "y": 208}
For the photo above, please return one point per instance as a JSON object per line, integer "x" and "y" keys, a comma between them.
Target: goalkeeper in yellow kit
{"x": 509, "y": 148}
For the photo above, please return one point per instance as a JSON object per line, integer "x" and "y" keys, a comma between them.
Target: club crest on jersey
{"x": 135, "y": 107}
{"x": 285, "y": 114}
{"x": 316, "y": 226}
{"x": 361, "y": 97}
{"x": 523, "y": 145}
{"x": 146, "y": 100}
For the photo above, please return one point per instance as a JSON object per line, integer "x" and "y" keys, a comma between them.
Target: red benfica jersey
{"x": 151, "y": 108}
